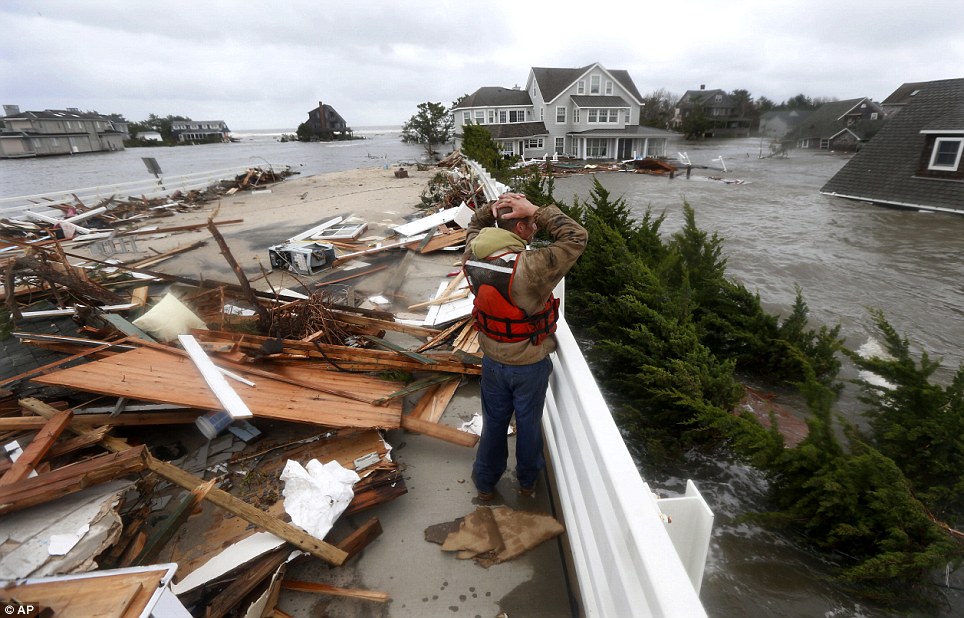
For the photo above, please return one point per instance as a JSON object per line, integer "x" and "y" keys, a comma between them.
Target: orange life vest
{"x": 496, "y": 315}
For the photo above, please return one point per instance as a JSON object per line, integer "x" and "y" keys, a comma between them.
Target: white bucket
{"x": 213, "y": 423}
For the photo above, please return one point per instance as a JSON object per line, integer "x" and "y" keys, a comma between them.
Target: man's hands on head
{"x": 521, "y": 207}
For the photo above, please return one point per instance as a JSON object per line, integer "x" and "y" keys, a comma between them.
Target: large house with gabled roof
{"x": 840, "y": 125}
{"x": 585, "y": 113}
{"x": 917, "y": 158}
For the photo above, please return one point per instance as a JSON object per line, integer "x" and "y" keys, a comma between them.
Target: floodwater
{"x": 847, "y": 257}
{"x": 779, "y": 232}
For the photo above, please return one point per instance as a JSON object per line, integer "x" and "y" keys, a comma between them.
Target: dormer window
{"x": 946, "y": 156}
{"x": 581, "y": 87}
{"x": 594, "y": 84}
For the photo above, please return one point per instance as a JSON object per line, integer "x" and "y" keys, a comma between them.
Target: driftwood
{"x": 84, "y": 289}
{"x": 264, "y": 316}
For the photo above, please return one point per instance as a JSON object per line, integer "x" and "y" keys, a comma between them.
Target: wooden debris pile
{"x": 174, "y": 427}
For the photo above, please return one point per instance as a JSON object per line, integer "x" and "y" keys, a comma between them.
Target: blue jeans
{"x": 507, "y": 389}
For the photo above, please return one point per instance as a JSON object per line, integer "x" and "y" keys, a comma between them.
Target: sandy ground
{"x": 280, "y": 211}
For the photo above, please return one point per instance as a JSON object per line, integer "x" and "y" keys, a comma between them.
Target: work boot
{"x": 527, "y": 492}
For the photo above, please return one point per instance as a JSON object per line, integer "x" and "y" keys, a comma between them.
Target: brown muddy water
{"x": 847, "y": 257}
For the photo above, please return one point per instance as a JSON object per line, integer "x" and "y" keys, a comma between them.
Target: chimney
{"x": 322, "y": 117}
{"x": 702, "y": 86}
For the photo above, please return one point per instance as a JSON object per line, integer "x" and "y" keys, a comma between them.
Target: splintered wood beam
{"x": 442, "y": 432}
{"x": 360, "y": 538}
{"x": 70, "y": 479}
{"x": 234, "y": 593}
{"x": 37, "y": 449}
{"x": 354, "y": 593}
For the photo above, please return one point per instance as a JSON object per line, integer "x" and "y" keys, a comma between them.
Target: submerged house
{"x": 915, "y": 161}
{"x": 58, "y": 132}
{"x": 584, "y": 113}
{"x": 200, "y": 130}
{"x": 777, "y": 125}
{"x": 325, "y": 123}
{"x": 840, "y": 125}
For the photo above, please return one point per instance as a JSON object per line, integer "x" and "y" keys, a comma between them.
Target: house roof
{"x": 517, "y": 130}
{"x": 630, "y": 131}
{"x": 884, "y": 170}
{"x": 703, "y": 97}
{"x": 828, "y": 120}
{"x": 597, "y": 101}
{"x": 902, "y": 95}
{"x": 58, "y": 114}
{"x": 495, "y": 96}
{"x": 553, "y": 81}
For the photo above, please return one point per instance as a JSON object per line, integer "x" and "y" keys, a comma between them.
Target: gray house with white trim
{"x": 917, "y": 158}
{"x": 584, "y": 113}
{"x": 58, "y": 132}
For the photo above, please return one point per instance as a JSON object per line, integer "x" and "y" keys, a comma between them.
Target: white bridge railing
{"x": 633, "y": 554}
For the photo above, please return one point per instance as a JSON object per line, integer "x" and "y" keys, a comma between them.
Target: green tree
{"x": 915, "y": 422}
{"x": 657, "y": 109}
{"x": 304, "y": 132}
{"x": 696, "y": 124}
{"x": 478, "y": 145}
{"x": 431, "y": 126}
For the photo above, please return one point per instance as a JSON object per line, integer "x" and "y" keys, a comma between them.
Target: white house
{"x": 585, "y": 113}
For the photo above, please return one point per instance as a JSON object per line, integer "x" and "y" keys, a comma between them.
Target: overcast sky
{"x": 261, "y": 65}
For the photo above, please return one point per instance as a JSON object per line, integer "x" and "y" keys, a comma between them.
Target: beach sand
{"x": 282, "y": 210}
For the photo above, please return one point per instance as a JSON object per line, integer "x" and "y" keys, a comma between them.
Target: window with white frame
{"x": 609, "y": 87}
{"x": 534, "y": 143}
{"x": 466, "y": 118}
{"x": 480, "y": 116}
{"x": 596, "y": 148}
{"x": 542, "y": 113}
{"x": 561, "y": 114}
{"x": 491, "y": 116}
{"x": 946, "y": 156}
{"x": 503, "y": 115}
{"x": 575, "y": 115}
{"x": 517, "y": 115}
{"x": 581, "y": 87}
{"x": 560, "y": 145}
{"x": 599, "y": 116}
{"x": 594, "y": 84}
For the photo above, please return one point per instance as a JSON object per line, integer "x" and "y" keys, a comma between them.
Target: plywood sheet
{"x": 155, "y": 375}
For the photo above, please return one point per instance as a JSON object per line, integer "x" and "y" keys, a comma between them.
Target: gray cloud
{"x": 255, "y": 65}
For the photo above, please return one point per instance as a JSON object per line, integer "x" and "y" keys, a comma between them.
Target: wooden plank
{"x": 391, "y": 346}
{"x": 70, "y": 479}
{"x": 354, "y": 593}
{"x": 24, "y": 423}
{"x": 153, "y": 375}
{"x": 125, "y": 595}
{"x": 37, "y": 449}
{"x": 439, "y": 399}
{"x": 360, "y": 359}
{"x": 362, "y": 320}
{"x": 360, "y": 538}
{"x": 232, "y": 403}
{"x": 442, "y": 432}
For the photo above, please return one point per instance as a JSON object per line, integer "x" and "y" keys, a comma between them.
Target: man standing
{"x": 516, "y": 314}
